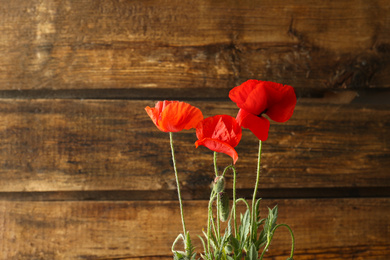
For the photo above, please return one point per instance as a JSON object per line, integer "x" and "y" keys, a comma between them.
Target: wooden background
{"x": 86, "y": 175}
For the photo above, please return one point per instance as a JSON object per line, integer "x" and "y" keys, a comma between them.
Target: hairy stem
{"x": 215, "y": 164}
{"x": 292, "y": 237}
{"x": 209, "y": 219}
{"x": 255, "y": 190}
{"x": 233, "y": 212}
{"x": 234, "y": 201}
{"x": 270, "y": 236}
{"x": 218, "y": 211}
{"x": 177, "y": 183}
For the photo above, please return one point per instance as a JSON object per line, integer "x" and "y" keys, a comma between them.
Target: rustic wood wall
{"x": 85, "y": 174}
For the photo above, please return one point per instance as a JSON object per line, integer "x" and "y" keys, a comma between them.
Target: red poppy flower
{"x": 174, "y": 116}
{"x": 220, "y": 133}
{"x": 256, "y": 98}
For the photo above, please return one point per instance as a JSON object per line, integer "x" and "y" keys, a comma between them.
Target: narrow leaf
{"x": 252, "y": 253}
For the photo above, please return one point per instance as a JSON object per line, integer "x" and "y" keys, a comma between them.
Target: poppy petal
{"x": 161, "y": 105}
{"x": 153, "y": 114}
{"x": 177, "y": 116}
{"x": 218, "y": 146}
{"x": 281, "y": 101}
{"x": 174, "y": 116}
{"x": 251, "y": 96}
{"x": 222, "y": 127}
{"x": 207, "y": 127}
{"x": 258, "y": 125}
{"x": 227, "y": 130}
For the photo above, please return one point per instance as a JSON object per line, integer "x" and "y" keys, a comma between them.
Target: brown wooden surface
{"x": 55, "y": 44}
{"x": 62, "y": 145}
{"x": 84, "y": 173}
{"x": 324, "y": 228}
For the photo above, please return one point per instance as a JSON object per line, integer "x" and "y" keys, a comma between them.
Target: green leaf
{"x": 203, "y": 243}
{"x": 213, "y": 240}
{"x": 177, "y": 256}
{"x": 190, "y": 249}
{"x": 229, "y": 228}
{"x": 228, "y": 231}
{"x": 245, "y": 226}
{"x": 226, "y": 236}
{"x": 270, "y": 222}
{"x": 252, "y": 253}
{"x": 275, "y": 213}
{"x": 207, "y": 256}
{"x": 235, "y": 244}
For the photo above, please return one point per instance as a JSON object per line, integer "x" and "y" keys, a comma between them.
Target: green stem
{"x": 234, "y": 201}
{"x": 218, "y": 196}
{"x": 243, "y": 200}
{"x": 269, "y": 238}
{"x": 292, "y": 237}
{"x": 264, "y": 250}
{"x": 234, "y": 195}
{"x": 177, "y": 183}
{"x": 215, "y": 164}
{"x": 227, "y": 168}
{"x": 209, "y": 219}
{"x": 255, "y": 190}
{"x": 218, "y": 235}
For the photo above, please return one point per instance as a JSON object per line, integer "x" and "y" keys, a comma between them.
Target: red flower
{"x": 220, "y": 133}
{"x": 174, "y": 116}
{"x": 256, "y": 98}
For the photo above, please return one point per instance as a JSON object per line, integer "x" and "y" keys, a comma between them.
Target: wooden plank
{"x": 92, "y": 145}
{"x": 324, "y": 229}
{"x": 51, "y": 44}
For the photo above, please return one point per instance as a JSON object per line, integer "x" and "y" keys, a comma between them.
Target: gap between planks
{"x": 168, "y": 195}
{"x": 367, "y": 96}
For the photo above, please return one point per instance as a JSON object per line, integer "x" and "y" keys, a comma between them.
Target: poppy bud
{"x": 228, "y": 249}
{"x": 223, "y": 206}
{"x": 219, "y": 184}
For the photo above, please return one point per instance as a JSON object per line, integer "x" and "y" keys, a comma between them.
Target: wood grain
{"x": 84, "y": 173}
{"x": 51, "y": 44}
{"x": 86, "y": 145}
{"x": 324, "y": 229}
